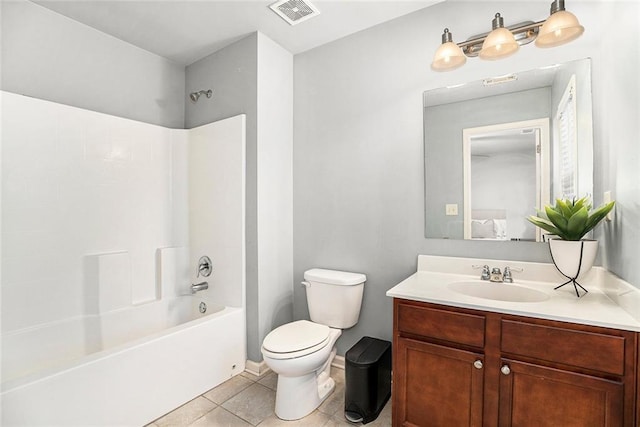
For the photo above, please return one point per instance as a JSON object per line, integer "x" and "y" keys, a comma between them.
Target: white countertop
{"x": 610, "y": 304}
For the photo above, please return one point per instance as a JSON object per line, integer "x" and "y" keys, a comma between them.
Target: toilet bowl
{"x": 301, "y": 352}
{"x": 303, "y": 369}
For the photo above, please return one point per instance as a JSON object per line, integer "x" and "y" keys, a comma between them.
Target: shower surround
{"x": 103, "y": 222}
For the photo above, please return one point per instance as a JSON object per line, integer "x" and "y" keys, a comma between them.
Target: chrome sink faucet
{"x": 495, "y": 275}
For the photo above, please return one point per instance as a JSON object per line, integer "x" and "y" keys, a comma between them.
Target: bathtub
{"x": 123, "y": 368}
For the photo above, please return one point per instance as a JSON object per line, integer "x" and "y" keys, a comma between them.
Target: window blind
{"x": 566, "y": 130}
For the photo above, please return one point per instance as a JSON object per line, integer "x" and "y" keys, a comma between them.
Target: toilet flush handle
{"x": 305, "y": 284}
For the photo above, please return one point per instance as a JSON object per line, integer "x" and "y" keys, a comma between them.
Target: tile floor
{"x": 246, "y": 400}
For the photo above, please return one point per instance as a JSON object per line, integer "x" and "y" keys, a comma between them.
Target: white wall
{"x": 52, "y": 57}
{"x": 101, "y": 213}
{"x": 275, "y": 185}
{"x": 216, "y": 207}
{"x": 88, "y": 199}
{"x": 358, "y": 171}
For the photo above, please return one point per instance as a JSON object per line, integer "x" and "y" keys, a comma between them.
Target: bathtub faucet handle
{"x": 205, "y": 266}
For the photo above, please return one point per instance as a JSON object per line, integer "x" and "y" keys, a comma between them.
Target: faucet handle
{"x": 205, "y": 266}
{"x": 508, "y": 277}
{"x": 485, "y": 271}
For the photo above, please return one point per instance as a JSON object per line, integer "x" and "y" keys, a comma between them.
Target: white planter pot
{"x": 567, "y": 257}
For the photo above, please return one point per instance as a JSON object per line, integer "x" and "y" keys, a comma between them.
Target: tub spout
{"x": 199, "y": 287}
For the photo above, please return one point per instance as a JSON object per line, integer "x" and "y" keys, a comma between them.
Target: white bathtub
{"x": 123, "y": 368}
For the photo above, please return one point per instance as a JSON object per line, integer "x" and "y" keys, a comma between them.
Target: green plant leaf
{"x": 556, "y": 218}
{"x": 598, "y": 215}
{"x": 541, "y": 214}
{"x": 570, "y": 219}
{"x": 577, "y": 224}
{"x": 582, "y": 202}
{"x": 544, "y": 224}
{"x": 563, "y": 208}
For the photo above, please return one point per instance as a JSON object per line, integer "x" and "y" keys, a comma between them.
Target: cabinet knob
{"x": 505, "y": 370}
{"x": 477, "y": 364}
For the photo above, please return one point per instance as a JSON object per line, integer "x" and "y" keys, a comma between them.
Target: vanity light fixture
{"x": 559, "y": 28}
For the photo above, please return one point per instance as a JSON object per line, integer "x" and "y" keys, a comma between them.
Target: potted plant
{"x": 569, "y": 221}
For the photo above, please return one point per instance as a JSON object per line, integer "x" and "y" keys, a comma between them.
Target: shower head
{"x": 195, "y": 95}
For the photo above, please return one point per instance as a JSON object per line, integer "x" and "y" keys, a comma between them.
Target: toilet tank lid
{"x": 334, "y": 277}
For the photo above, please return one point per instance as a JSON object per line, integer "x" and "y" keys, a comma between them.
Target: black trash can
{"x": 367, "y": 379}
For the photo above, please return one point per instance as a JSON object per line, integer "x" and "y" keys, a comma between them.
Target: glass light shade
{"x": 448, "y": 57}
{"x": 560, "y": 28}
{"x": 499, "y": 44}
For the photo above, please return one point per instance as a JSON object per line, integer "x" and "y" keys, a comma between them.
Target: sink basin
{"x": 498, "y": 291}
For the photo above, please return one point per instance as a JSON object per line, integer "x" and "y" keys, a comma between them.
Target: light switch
{"x": 451, "y": 209}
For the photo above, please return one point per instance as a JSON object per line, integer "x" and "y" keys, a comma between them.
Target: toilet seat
{"x": 295, "y": 339}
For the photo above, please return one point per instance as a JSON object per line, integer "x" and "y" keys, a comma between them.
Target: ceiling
{"x": 187, "y": 30}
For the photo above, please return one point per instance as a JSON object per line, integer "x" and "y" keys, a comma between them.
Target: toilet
{"x": 301, "y": 352}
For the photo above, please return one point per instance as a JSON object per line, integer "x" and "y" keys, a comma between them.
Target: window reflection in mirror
{"x": 480, "y": 186}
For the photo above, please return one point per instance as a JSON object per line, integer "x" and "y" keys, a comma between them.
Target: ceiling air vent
{"x": 294, "y": 11}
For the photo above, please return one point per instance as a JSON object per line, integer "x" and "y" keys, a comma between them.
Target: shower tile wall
{"x": 76, "y": 183}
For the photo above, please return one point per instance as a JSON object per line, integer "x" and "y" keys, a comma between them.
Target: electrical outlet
{"x": 451, "y": 209}
{"x": 606, "y": 199}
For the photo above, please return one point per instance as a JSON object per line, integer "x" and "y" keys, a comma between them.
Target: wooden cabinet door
{"x": 537, "y": 396}
{"x": 436, "y": 386}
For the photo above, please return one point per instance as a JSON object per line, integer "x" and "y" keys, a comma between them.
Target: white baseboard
{"x": 260, "y": 368}
{"x": 256, "y": 368}
{"x": 338, "y": 362}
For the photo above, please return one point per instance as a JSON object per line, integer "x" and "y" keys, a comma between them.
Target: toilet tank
{"x": 334, "y": 297}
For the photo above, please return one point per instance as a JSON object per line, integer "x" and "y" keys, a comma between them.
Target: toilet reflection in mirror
{"x": 483, "y": 172}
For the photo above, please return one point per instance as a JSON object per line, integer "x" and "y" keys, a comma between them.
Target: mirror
{"x": 497, "y": 149}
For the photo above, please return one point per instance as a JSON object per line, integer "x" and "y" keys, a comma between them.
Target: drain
{"x": 202, "y": 308}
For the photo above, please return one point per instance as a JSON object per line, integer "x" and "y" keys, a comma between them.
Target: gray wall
{"x": 358, "y": 171}
{"x": 616, "y": 103}
{"x": 49, "y": 56}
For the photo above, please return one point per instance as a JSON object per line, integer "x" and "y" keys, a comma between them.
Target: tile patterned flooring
{"x": 246, "y": 400}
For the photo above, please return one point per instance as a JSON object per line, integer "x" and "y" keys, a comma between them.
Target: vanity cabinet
{"x": 461, "y": 367}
